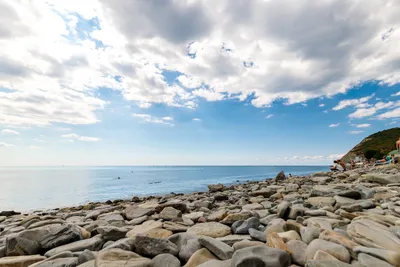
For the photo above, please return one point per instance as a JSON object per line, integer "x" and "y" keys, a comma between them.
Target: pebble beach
{"x": 325, "y": 219}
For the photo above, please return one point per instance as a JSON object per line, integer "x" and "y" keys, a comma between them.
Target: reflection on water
{"x": 28, "y": 188}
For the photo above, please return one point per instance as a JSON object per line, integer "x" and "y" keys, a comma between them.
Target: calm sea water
{"x": 28, "y": 188}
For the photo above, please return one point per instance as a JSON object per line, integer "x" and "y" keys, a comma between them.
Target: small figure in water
{"x": 119, "y": 178}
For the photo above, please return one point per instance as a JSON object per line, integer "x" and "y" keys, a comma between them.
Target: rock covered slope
{"x": 384, "y": 142}
{"x": 322, "y": 220}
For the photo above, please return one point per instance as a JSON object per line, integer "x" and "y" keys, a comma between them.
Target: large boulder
{"x": 119, "y": 257}
{"x": 373, "y": 234}
{"x": 154, "y": 246}
{"x": 280, "y": 176}
{"x": 381, "y": 178}
{"x": 216, "y": 188}
{"x": 261, "y": 256}
{"x": 94, "y": 244}
{"x": 43, "y": 238}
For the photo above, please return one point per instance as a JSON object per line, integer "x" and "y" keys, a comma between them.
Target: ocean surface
{"x": 33, "y": 188}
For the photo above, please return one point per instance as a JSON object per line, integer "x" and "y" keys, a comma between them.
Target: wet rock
{"x": 261, "y": 256}
{"x": 153, "y": 246}
{"x": 218, "y": 248}
{"x": 119, "y": 257}
{"x": 335, "y": 250}
{"x": 166, "y": 260}
{"x": 211, "y": 229}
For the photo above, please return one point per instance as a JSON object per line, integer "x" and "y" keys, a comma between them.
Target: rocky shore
{"x": 322, "y": 220}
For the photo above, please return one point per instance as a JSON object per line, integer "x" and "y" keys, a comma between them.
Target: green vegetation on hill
{"x": 376, "y": 145}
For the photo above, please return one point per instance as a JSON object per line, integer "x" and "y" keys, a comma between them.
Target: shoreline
{"x": 301, "y": 219}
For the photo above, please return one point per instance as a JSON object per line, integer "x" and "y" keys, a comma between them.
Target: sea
{"x": 39, "y": 188}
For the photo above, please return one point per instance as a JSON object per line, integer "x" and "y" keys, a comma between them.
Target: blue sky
{"x": 90, "y": 87}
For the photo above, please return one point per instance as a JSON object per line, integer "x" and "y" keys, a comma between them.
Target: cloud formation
{"x": 8, "y": 131}
{"x": 333, "y": 125}
{"x": 218, "y": 50}
{"x": 80, "y": 138}
{"x": 152, "y": 119}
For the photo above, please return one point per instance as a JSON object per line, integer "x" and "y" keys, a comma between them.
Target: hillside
{"x": 383, "y": 141}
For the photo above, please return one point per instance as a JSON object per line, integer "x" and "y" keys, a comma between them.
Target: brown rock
{"x": 199, "y": 257}
{"x": 20, "y": 261}
{"x": 337, "y": 238}
{"x": 158, "y": 233}
{"x": 274, "y": 241}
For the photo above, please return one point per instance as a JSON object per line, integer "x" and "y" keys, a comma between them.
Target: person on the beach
{"x": 353, "y": 164}
{"x": 385, "y": 159}
{"x": 338, "y": 166}
{"x": 398, "y": 144}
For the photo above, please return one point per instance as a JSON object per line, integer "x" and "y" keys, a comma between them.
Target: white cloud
{"x": 8, "y": 131}
{"x": 355, "y": 132}
{"x": 364, "y": 125}
{"x": 39, "y": 140}
{"x": 333, "y": 125}
{"x": 70, "y": 136}
{"x": 367, "y": 112}
{"x": 396, "y": 94}
{"x": 62, "y": 129}
{"x": 151, "y": 119}
{"x": 335, "y": 156}
{"x": 395, "y": 113}
{"x": 196, "y": 119}
{"x": 312, "y": 158}
{"x": 80, "y": 138}
{"x": 269, "y": 116}
{"x": 218, "y": 50}
{"x": 321, "y": 105}
{"x": 145, "y": 105}
{"x": 2, "y": 144}
{"x": 361, "y": 102}
{"x": 88, "y": 139}
{"x": 34, "y": 147}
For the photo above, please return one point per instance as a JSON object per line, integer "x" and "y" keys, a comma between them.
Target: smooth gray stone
{"x": 166, "y": 260}
{"x": 187, "y": 244}
{"x": 368, "y": 260}
{"x": 308, "y": 234}
{"x": 283, "y": 209}
{"x": 86, "y": 256}
{"x": 18, "y": 246}
{"x": 389, "y": 256}
{"x": 242, "y": 227}
{"x": 134, "y": 212}
{"x": 258, "y": 235}
{"x": 112, "y": 233}
{"x": 94, "y": 244}
{"x": 124, "y": 244}
{"x": 298, "y": 251}
{"x": 216, "y": 263}
{"x": 260, "y": 256}
{"x": 336, "y": 250}
{"x": 218, "y": 248}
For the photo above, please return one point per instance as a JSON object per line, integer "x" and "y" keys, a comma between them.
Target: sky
{"x": 195, "y": 82}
